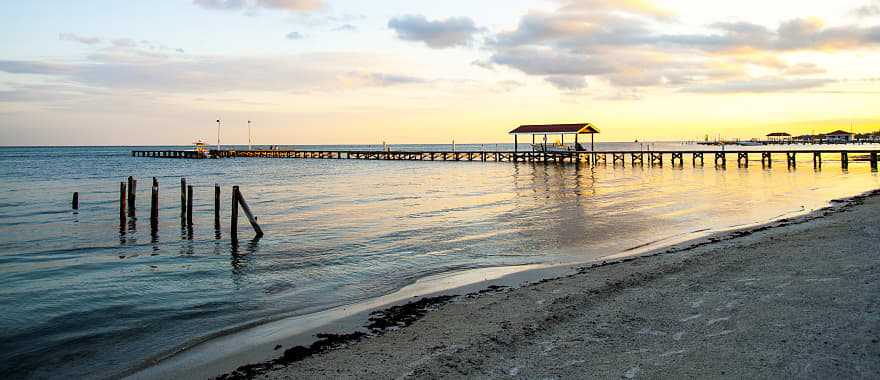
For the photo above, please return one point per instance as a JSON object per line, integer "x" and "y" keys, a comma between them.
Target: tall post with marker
{"x": 218, "y": 135}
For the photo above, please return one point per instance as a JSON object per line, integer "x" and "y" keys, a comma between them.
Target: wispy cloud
{"x": 290, "y": 5}
{"x": 345, "y": 28}
{"x": 197, "y": 75}
{"x": 758, "y": 85}
{"x": 437, "y": 34}
{"x": 81, "y": 39}
{"x": 294, "y": 36}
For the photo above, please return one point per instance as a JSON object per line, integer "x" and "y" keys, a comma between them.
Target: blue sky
{"x": 325, "y": 71}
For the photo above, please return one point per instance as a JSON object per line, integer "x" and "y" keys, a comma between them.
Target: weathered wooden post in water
{"x": 182, "y": 197}
{"x": 189, "y": 206}
{"x": 132, "y": 186}
{"x": 122, "y": 196}
{"x": 217, "y": 205}
{"x": 238, "y": 200}
{"x": 154, "y": 206}
{"x": 233, "y": 222}
{"x": 75, "y": 202}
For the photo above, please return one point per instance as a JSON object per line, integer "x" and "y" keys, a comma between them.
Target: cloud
{"x": 451, "y": 32}
{"x": 294, "y": 36}
{"x": 81, "y": 39}
{"x": 622, "y": 42}
{"x": 289, "y": 5}
{"x": 567, "y": 82}
{"x": 760, "y": 85}
{"x": 868, "y": 10}
{"x": 297, "y": 73}
{"x": 345, "y": 28}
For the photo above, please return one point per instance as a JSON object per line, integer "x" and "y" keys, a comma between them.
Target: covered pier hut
{"x": 546, "y": 130}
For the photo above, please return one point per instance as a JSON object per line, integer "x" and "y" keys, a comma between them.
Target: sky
{"x": 107, "y": 72}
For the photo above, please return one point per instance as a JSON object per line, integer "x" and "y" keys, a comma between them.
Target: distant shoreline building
{"x": 838, "y": 137}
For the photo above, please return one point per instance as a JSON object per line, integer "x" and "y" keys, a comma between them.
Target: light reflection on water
{"x": 83, "y": 296}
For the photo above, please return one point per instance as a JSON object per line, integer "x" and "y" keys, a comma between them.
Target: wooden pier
{"x": 673, "y": 157}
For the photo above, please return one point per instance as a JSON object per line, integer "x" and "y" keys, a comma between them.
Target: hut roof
{"x": 581, "y": 128}
{"x": 778, "y": 134}
{"x": 839, "y": 132}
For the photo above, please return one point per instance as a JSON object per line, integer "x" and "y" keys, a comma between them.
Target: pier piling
{"x": 154, "y": 206}
{"x": 122, "y": 196}
{"x": 74, "y": 204}
{"x": 233, "y": 219}
{"x": 248, "y": 214}
{"x": 132, "y": 188}
{"x": 189, "y": 206}
{"x": 791, "y": 157}
{"x": 183, "y": 197}
{"x": 874, "y": 161}
{"x": 844, "y": 160}
{"x": 216, "y": 205}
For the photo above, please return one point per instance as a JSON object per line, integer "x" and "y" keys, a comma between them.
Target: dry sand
{"x": 798, "y": 298}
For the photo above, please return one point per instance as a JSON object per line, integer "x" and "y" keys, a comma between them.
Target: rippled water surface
{"x": 83, "y": 297}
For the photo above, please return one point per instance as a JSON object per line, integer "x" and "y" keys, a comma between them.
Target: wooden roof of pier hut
{"x": 556, "y": 129}
{"x": 569, "y": 129}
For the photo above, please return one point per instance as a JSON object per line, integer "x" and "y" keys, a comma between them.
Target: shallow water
{"x": 81, "y": 297}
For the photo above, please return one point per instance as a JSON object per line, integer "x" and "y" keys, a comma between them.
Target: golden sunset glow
{"x": 329, "y": 72}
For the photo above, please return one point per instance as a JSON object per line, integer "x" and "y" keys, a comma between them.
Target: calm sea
{"x": 82, "y": 298}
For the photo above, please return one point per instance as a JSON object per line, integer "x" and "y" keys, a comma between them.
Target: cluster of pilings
{"x": 128, "y": 206}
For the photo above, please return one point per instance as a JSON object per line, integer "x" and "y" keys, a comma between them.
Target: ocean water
{"x": 83, "y": 297}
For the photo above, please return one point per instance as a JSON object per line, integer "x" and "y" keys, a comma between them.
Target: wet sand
{"x": 796, "y": 298}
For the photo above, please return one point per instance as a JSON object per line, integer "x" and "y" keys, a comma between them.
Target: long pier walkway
{"x": 719, "y": 158}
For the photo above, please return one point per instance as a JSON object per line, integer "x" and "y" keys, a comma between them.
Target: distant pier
{"x": 673, "y": 157}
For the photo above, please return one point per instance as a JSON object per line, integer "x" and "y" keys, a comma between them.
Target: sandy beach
{"x": 796, "y": 298}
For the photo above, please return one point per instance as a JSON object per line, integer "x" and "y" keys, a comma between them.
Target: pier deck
{"x": 675, "y": 157}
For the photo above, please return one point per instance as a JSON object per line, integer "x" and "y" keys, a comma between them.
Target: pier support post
{"x": 247, "y": 212}
{"x": 721, "y": 157}
{"x": 844, "y": 160}
{"x": 132, "y": 186}
{"x": 678, "y": 156}
{"x": 183, "y": 197}
{"x": 742, "y": 158}
{"x": 874, "y": 160}
{"x": 817, "y": 159}
{"x": 233, "y": 220}
{"x": 154, "y": 206}
{"x": 766, "y": 159}
{"x": 216, "y": 205}
{"x": 74, "y": 204}
{"x": 189, "y": 206}
{"x": 122, "y": 213}
{"x": 792, "y": 159}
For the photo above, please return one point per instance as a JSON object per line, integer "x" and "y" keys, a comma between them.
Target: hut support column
{"x": 515, "y": 147}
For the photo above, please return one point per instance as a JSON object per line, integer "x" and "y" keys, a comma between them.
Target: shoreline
{"x": 353, "y": 329}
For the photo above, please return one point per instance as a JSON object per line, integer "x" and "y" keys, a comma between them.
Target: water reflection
{"x": 242, "y": 261}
